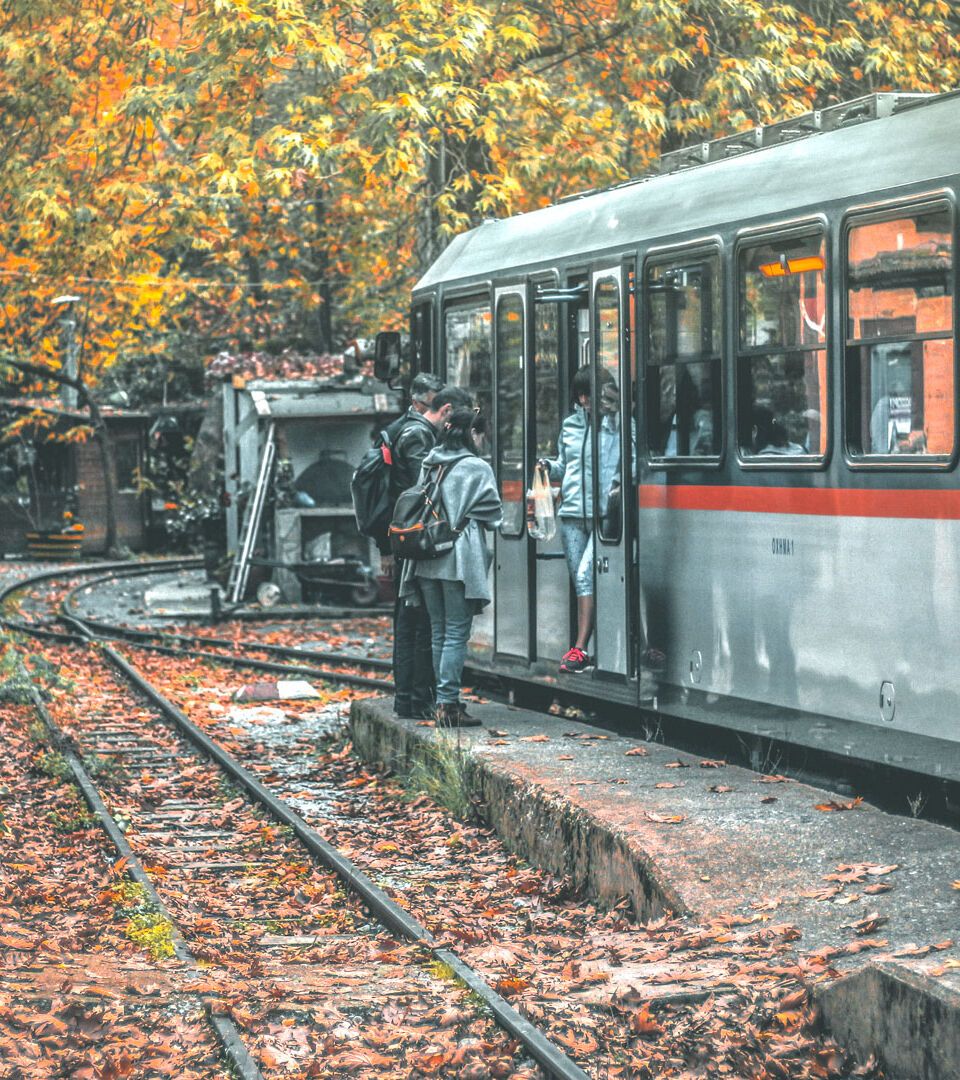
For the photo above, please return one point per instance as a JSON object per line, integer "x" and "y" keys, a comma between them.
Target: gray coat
{"x": 472, "y": 503}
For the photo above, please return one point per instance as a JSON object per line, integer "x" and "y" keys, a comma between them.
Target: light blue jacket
{"x": 573, "y": 465}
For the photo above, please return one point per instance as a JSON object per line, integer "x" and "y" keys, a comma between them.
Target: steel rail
{"x": 553, "y": 1060}
{"x": 224, "y": 1027}
{"x": 121, "y": 630}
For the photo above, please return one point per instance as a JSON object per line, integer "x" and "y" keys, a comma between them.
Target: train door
{"x": 614, "y": 452}
{"x": 550, "y": 600}
{"x": 468, "y": 362}
{"x": 512, "y": 609}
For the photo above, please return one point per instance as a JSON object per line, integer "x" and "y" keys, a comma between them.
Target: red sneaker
{"x": 575, "y": 660}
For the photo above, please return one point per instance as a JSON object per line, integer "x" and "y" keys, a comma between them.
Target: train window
{"x": 421, "y": 333}
{"x": 683, "y": 357}
{"x": 468, "y": 346}
{"x": 782, "y": 365}
{"x": 510, "y": 411}
{"x": 899, "y": 347}
{"x": 546, "y": 413}
{"x": 606, "y": 410}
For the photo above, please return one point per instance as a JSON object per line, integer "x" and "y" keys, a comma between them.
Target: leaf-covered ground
{"x": 318, "y": 989}
{"x": 729, "y": 999}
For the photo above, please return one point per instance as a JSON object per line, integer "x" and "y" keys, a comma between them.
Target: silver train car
{"x": 778, "y": 314}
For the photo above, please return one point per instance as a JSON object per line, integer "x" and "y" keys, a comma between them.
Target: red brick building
{"x": 43, "y": 475}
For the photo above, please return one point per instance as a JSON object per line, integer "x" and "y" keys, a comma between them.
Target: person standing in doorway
{"x": 573, "y": 467}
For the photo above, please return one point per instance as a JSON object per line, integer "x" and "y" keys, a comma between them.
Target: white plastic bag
{"x": 541, "y": 516}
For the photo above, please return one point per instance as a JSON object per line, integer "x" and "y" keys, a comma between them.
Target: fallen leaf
{"x": 511, "y": 985}
{"x": 868, "y": 924}
{"x": 677, "y": 765}
{"x": 769, "y": 799}
{"x": 565, "y": 757}
{"x": 720, "y": 789}
{"x": 950, "y": 965}
{"x": 877, "y": 887}
{"x": 498, "y": 732}
{"x": 665, "y": 819}
{"x": 835, "y": 804}
{"x": 643, "y": 1023}
{"x": 534, "y": 738}
{"x": 666, "y": 784}
{"x": 641, "y": 751}
{"x": 711, "y": 763}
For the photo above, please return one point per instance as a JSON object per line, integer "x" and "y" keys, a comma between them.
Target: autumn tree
{"x": 237, "y": 174}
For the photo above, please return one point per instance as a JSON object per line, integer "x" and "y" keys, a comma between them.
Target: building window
{"x": 782, "y": 360}
{"x": 899, "y": 342}
{"x": 683, "y": 357}
{"x": 127, "y": 455}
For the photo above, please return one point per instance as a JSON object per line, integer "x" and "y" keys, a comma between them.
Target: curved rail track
{"x": 150, "y": 744}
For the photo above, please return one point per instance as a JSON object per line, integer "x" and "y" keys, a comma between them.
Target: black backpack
{"x": 420, "y": 529}
{"x": 370, "y": 486}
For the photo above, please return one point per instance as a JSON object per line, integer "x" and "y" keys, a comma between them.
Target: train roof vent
{"x": 845, "y": 114}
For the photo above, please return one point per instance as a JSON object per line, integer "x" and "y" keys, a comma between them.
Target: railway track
{"x": 263, "y": 791}
{"x": 240, "y": 848}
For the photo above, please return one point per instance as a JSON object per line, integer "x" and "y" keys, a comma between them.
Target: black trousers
{"x": 413, "y": 678}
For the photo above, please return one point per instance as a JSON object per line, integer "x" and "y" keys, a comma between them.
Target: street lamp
{"x": 68, "y": 394}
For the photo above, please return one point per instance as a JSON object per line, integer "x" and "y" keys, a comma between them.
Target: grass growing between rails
{"x": 20, "y": 670}
{"x": 145, "y": 926}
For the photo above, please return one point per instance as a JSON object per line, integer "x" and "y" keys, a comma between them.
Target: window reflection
{"x": 606, "y": 409}
{"x": 468, "y": 354}
{"x": 547, "y": 380}
{"x": 683, "y": 350}
{"x": 510, "y": 411}
{"x": 900, "y": 377}
{"x": 782, "y": 368}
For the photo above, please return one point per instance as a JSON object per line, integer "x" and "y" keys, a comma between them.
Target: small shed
{"x": 323, "y": 424}
{"x": 45, "y": 473}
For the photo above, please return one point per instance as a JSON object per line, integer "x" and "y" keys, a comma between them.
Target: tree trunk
{"x": 108, "y": 459}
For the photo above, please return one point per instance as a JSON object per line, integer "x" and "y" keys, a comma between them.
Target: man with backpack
{"x": 387, "y": 470}
{"x": 413, "y": 677}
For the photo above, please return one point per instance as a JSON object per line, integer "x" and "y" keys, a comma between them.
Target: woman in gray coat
{"x": 456, "y": 586}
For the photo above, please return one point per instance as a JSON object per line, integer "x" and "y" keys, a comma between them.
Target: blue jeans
{"x": 576, "y": 536}
{"x": 451, "y": 616}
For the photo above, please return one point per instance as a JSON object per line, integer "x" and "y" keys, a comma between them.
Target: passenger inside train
{"x": 770, "y": 437}
{"x": 573, "y": 467}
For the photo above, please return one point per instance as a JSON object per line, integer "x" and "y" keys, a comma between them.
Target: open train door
{"x": 512, "y": 548}
{"x": 614, "y": 454}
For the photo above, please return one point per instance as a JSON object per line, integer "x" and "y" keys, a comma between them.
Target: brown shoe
{"x": 455, "y": 715}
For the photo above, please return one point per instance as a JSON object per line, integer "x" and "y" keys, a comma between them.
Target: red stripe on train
{"x": 829, "y": 502}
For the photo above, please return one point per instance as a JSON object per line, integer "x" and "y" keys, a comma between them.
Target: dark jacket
{"x": 415, "y": 441}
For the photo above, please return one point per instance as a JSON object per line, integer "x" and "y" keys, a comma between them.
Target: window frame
{"x": 890, "y": 210}
{"x": 664, "y": 257}
{"x": 796, "y": 229}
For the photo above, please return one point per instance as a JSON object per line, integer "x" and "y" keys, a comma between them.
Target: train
{"x": 777, "y": 312}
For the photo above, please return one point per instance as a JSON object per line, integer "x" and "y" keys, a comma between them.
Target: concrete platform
{"x": 702, "y": 839}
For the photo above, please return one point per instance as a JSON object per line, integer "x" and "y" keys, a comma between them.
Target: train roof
{"x": 921, "y": 144}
